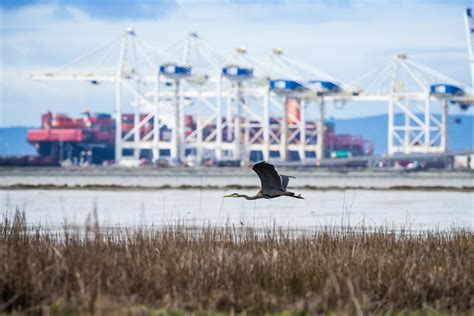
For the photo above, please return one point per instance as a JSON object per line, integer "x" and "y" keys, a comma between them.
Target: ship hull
{"x": 78, "y": 153}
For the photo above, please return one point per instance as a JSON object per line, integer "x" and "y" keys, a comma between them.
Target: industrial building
{"x": 191, "y": 104}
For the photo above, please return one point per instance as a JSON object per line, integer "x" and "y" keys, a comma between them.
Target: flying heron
{"x": 272, "y": 184}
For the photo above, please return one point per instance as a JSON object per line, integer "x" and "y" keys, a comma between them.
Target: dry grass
{"x": 175, "y": 269}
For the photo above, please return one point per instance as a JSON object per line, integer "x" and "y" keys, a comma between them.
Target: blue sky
{"x": 344, "y": 38}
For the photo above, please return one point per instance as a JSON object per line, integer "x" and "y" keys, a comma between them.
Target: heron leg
{"x": 293, "y": 195}
{"x": 298, "y": 197}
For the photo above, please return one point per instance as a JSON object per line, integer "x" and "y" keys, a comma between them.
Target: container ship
{"x": 90, "y": 139}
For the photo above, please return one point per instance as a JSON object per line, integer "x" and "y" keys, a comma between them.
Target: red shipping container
{"x": 65, "y": 135}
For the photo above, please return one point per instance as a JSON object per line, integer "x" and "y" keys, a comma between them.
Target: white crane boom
{"x": 469, "y": 21}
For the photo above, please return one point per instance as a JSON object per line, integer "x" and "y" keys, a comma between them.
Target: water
{"x": 411, "y": 209}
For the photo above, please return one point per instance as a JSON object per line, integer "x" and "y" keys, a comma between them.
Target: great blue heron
{"x": 272, "y": 184}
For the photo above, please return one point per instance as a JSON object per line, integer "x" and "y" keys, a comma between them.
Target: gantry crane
{"x": 241, "y": 104}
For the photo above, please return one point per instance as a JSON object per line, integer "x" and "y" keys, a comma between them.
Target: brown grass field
{"x": 237, "y": 270}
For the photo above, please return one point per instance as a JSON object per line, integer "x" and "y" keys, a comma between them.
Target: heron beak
{"x": 228, "y": 195}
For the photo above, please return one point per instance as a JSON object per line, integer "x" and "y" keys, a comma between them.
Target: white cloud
{"x": 344, "y": 40}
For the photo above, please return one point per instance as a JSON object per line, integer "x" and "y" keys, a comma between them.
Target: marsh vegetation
{"x": 110, "y": 270}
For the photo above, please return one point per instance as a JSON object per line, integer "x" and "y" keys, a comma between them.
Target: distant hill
{"x": 460, "y": 135}
{"x": 13, "y": 139}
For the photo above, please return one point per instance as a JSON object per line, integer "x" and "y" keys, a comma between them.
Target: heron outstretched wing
{"x": 285, "y": 180}
{"x": 269, "y": 178}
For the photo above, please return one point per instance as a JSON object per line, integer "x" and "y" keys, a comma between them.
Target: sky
{"x": 344, "y": 38}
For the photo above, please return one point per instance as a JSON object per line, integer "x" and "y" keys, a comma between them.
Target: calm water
{"x": 416, "y": 210}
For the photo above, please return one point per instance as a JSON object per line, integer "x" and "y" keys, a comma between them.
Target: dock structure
{"x": 271, "y": 108}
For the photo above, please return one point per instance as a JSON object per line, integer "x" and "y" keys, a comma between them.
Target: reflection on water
{"x": 418, "y": 210}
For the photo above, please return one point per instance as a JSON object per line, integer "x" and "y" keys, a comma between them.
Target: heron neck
{"x": 254, "y": 197}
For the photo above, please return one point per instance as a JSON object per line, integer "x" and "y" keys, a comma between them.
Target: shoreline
{"x": 114, "y": 187}
{"x": 120, "y": 179}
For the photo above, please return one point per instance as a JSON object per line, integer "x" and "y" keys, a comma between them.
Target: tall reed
{"x": 230, "y": 269}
